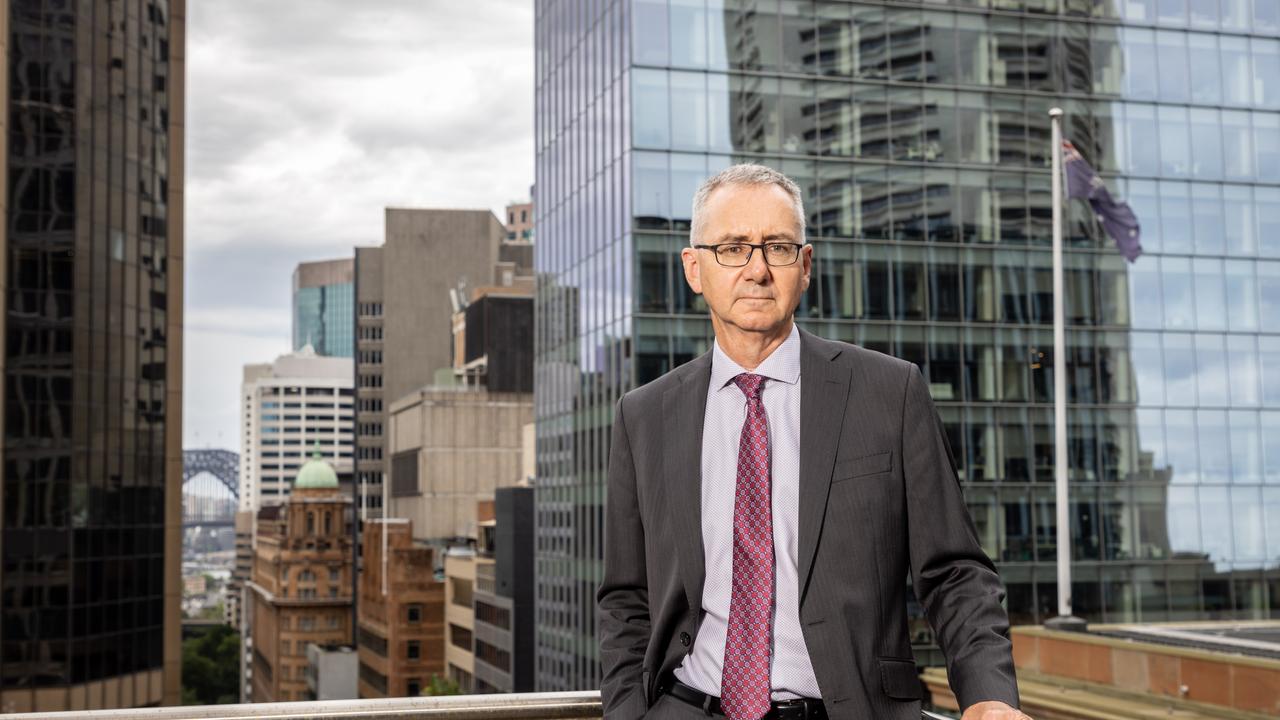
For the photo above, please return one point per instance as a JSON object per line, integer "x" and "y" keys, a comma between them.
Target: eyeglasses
{"x": 776, "y": 254}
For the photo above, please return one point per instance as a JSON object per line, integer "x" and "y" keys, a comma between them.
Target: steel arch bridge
{"x": 210, "y": 487}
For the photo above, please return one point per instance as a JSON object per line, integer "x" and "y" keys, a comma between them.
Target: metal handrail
{"x": 512, "y": 706}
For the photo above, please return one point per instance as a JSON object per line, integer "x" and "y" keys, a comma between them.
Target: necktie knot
{"x": 750, "y": 384}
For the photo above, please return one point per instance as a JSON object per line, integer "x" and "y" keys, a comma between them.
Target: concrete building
{"x": 324, "y": 307}
{"x": 401, "y": 612}
{"x": 450, "y": 448}
{"x": 93, "y": 264}
{"x": 290, "y": 408}
{"x": 300, "y": 591}
{"x": 460, "y": 617}
{"x": 404, "y": 315}
{"x": 331, "y": 672}
{"x": 503, "y": 598}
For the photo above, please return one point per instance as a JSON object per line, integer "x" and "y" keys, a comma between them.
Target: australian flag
{"x": 1117, "y": 218}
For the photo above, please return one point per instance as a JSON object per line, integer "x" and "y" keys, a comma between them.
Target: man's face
{"x": 756, "y": 297}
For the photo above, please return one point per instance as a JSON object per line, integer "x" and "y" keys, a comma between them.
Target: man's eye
{"x": 778, "y": 249}
{"x": 732, "y": 249}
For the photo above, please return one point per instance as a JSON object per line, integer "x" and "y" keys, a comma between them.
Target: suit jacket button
{"x": 685, "y": 639}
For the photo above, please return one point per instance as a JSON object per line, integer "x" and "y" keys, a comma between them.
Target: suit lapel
{"x": 684, "y": 407}
{"x": 824, "y": 394}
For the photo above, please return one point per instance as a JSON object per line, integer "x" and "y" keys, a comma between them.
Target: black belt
{"x": 798, "y": 709}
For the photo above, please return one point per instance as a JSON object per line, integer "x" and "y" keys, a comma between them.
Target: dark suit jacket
{"x": 879, "y": 497}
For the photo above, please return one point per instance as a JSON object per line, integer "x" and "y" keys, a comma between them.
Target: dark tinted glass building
{"x": 92, "y": 461}
{"x": 920, "y": 136}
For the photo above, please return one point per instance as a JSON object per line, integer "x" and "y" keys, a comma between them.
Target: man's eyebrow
{"x": 771, "y": 237}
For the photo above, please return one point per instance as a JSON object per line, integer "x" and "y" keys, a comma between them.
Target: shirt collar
{"x": 782, "y": 365}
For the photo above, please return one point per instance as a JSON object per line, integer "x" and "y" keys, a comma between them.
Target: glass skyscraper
{"x": 920, "y": 136}
{"x": 324, "y": 307}
{"x": 90, "y": 583}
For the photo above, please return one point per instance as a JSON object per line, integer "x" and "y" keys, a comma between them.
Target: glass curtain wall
{"x": 920, "y": 137}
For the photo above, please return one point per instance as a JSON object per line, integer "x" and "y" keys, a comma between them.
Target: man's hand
{"x": 993, "y": 710}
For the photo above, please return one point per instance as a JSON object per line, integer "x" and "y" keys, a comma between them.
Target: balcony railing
{"x": 515, "y": 706}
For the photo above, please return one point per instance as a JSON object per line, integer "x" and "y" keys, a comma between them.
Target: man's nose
{"x": 756, "y": 269}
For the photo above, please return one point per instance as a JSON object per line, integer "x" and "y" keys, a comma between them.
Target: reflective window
{"x": 1237, "y": 73}
{"x": 1211, "y": 371}
{"x": 1266, "y": 71}
{"x": 1267, "y": 207}
{"x": 1237, "y": 204}
{"x": 1210, "y": 294}
{"x": 1242, "y": 354}
{"x": 1171, "y": 54}
{"x": 650, "y": 122}
{"x": 1141, "y": 75}
{"x": 688, "y": 24}
{"x": 1242, "y": 295}
{"x": 649, "y": 32}
{"x": 1269, "y": 360}
{"x": 1206, "y": 143}
{"x": 1205, "y": 70}
{"x": 1181, "y": 445}
{"x": 1237, "y": 145}
{"x": 1207, "y": 219}
{"x": 1266, "y": 146}
{"x": 1269, "y": 296}
{"x": 1179, "y": 369}
{"x": 688, "y": 109}
{"x": 1179, "y": 307}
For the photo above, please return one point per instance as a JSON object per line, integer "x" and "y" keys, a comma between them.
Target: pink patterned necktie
{"x": 744, "y": 685}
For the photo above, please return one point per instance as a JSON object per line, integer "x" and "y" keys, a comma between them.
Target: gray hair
{"x": 744, "y": 174}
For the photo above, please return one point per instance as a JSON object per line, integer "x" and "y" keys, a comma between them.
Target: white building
{"x": 289, "y": 409}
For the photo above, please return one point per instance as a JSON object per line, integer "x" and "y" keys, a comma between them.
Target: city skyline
{"x": 293, "y": 157}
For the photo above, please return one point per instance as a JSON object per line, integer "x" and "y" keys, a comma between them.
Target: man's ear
{"x": 692, "y": 270}
{"x": 807, "y": 253}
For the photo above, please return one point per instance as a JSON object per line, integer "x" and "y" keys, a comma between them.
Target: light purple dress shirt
{"x": 791, "y": 672}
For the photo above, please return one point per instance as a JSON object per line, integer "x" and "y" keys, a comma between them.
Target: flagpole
{"x": 1064, "y": 620}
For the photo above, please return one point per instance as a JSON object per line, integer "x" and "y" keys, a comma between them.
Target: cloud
{"x": 305, "y": 118}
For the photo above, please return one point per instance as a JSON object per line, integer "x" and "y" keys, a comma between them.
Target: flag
{"x": 1117, "y": 218}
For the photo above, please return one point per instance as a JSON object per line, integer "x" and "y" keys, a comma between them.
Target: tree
{"x": 211, "y": 667}
{"x": 441, "y": 686}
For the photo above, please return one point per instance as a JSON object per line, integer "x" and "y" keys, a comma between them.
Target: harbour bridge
{"x": 210, "y": 488}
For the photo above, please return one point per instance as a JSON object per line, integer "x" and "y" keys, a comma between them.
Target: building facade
{"x": 503, "y": 596}
{"x": 920, "y": 138}
{"x": 404, "y": 317}
{"x": 90, "y": 575}
{"x": 323, "y": 307}
{"x": 401, "y": 612}
{"x": 300, "y": 590}
{"x": 291, "y": 407}
{"x": 451, "y": 448}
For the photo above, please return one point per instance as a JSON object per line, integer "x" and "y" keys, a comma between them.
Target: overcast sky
{"x": 305, "y": 118}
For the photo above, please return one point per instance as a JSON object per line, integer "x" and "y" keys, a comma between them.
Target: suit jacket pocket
{"x": 899, "y": 679}
{"x": 865, "y": 465}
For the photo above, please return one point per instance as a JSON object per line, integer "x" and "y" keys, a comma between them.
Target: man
{"x": 766, "y": 501}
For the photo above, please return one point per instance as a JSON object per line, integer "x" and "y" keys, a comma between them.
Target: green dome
{"x": 316, "y": 473}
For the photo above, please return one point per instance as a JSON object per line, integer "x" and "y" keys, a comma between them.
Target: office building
{"x": 90, "y": 576}
{"x": 300, "y": 590}
{"x": 404, "y": 291}
{"x": 503, "y": 596}
{"x": 920, "y": 138}
{"x": 290, "y": 408}
{"x": 401, "y": 612}
{"x": 240, "y": 572}
{"x": 493, "y": 334}
{"x": 323, "y": 307}
{"x": 460, "y": 617}
{"x": 451, "y": 448}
